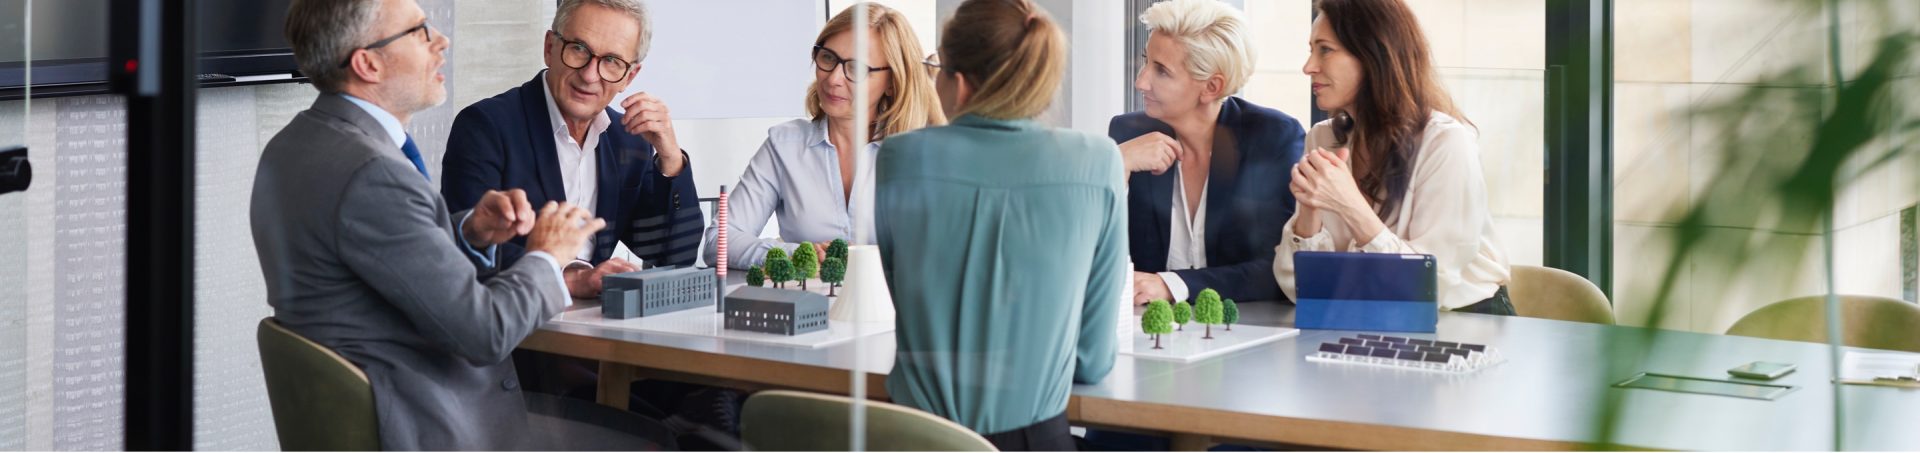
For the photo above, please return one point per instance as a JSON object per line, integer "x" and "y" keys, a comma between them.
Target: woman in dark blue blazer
{"x": 1208, "y": 172}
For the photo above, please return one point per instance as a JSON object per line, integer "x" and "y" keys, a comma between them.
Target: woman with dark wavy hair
{"x": 1397, "y": 168}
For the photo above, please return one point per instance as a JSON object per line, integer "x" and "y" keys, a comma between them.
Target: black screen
{"x": 245, "y": 26}
{"x": 69, "y": 39}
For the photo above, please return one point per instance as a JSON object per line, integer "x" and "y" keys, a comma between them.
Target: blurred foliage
{"x": 1783, "y": 159}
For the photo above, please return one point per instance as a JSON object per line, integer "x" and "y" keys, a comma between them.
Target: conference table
{"x": 1553, "y": 392}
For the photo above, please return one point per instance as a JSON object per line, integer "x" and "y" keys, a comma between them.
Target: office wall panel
{"x": 89, "y": 273}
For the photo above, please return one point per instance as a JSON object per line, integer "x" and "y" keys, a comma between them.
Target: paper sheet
{"x": 621, "y": 251}
{"x": 1880, "y": 368}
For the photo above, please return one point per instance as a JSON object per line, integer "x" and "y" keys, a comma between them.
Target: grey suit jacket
{"x": 360, "y": 255}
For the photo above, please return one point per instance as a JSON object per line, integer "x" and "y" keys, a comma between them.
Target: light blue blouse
{"x": 796, "y": 175}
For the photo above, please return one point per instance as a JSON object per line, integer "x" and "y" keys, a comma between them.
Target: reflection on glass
{"x": 13, "y": 240}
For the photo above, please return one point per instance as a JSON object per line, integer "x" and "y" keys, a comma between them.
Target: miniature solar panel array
{"x": 1408, "y": 353}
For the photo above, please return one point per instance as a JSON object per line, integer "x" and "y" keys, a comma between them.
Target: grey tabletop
{"x": 1553, "y": 386}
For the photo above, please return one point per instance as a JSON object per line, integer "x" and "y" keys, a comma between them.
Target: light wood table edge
{"x": 678, "y": 364}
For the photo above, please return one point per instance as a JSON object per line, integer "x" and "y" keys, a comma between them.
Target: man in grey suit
{"x": 361, "y": 255}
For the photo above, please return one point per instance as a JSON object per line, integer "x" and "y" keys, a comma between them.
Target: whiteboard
{"x": 714, "y": 59}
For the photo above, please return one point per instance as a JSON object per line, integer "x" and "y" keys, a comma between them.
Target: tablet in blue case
{"x": 1365, "y": 291}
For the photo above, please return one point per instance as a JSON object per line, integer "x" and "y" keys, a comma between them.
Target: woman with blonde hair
{"x": 1208, "y": 169}
{"x": 1003, "y": 240}
{"x": 807, "y": 171}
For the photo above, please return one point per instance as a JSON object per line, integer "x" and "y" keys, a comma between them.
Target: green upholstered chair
{"x": 321, "y": 402}
{"x": 1545, "y": 292}
{"x": 1866, "y": 322}
{"x": 780, "y": 420}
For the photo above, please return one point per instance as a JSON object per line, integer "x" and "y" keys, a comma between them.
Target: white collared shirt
{"x": 579, "y": 163}
{"x": 1187, "y": 246}
{"x": 387, "y": 121}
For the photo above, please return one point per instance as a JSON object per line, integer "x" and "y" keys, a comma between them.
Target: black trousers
{"x": 1499, "y": 304}
{"x": 1047, "y": 435}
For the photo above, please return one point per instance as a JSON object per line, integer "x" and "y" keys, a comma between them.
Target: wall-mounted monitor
{"x": 68, "y": 42}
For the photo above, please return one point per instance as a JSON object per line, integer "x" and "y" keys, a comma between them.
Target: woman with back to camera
{"x": 1003, "y": 240}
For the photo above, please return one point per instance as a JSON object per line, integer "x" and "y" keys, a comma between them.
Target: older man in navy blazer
{"x": 556, "y": 137}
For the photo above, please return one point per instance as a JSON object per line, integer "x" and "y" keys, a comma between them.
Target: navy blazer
{"x": 506, "y": 142}
{"x": 1248, "y": 199}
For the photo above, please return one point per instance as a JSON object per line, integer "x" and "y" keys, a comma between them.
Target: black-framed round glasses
{"x": 575, "y": 54}
{"x": 826, "y": 60}
{"x": 425, "y": 29}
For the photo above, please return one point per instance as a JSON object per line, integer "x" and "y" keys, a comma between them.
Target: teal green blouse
{"x": 1004, "y": 243}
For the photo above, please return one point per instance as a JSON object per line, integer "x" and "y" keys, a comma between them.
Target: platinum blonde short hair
{"x": 1214, "y": 33}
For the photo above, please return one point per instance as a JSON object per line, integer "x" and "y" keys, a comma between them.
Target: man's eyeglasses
{"x": 826, "y": 61}
{"x": 425, "y": 30}
{"x": 575, "y": 54}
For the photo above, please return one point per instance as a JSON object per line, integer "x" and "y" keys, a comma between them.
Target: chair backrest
{"x": 320, "y": 400}
{"x": 1866, "y": 322}
{"x": 780, "y": 420}
{"x": 1545, "y": 292}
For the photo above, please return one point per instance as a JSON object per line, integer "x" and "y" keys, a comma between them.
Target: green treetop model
{"x": 1207, "y": 310}
{"x": 756, "y": 276}
{"x": 779, "y": 268}
{"x": 1182, "y": 313}
{"x": 806, "y": 263}
{"x": 832, "y": 272}
{"x": 1233, "y": 314}
{"x": 837, "y": 249}
{"x": 1158, "y": 320}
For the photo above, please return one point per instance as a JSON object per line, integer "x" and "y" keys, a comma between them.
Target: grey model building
{"x": 656, "y": 291}
{"x": 780, "y": 311}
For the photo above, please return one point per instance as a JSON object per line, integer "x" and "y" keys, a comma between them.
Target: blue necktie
{"x": 413, "y": 154}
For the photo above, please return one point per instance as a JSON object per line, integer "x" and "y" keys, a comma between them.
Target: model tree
{"x": 837, "y": 249}
{"x": 1207, "y": 310}
{"x": 1182, "y": 313}
{"x": 1232, "y": 312}
{"x": 1158, "y": 320}
{"x": 779, "y": 268}
{"x": 806, "y": 263}
{"x": 756, "y": 276}
{"x": 832, "y": 272}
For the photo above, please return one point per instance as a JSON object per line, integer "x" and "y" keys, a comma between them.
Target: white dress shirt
{"x": 1187, "y": 246}
{"x": 398, "y": 133}
{"x": 1444, "y": 214}
{"x": 579, "y": 163}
